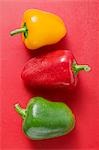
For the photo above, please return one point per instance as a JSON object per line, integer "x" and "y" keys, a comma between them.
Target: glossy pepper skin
{"x": 44, "y": 119}
{"x": 40, "y": 28}
{"x": 53, "y": 70}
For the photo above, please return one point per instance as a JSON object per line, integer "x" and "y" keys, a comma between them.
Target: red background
{"x": 82, "y": 20}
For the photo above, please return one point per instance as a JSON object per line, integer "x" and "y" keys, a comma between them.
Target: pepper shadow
{"x": 59, "y": 94}
{"x": 64, "y": 43}
{"x": 61, "y": 143}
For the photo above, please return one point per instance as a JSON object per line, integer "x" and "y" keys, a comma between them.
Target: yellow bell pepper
{"x": 40, "y": 28}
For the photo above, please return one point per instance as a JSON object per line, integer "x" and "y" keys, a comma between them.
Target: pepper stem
{"x": 78, "y": 68}
{"x": 20, "y": 30}
{"x": 16, "y": 31}
{"x": 20, "y": 110}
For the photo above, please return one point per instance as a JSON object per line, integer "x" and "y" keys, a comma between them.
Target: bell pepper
{"x": 57, "y": 69}
{"x": 40, "y": 28}
{"x": 44, "y": 119}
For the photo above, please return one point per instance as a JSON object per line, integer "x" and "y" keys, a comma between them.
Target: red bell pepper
{"x": 53, "y": 70}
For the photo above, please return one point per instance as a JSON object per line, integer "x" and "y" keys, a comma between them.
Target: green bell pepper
{"x": 44, "y": 119}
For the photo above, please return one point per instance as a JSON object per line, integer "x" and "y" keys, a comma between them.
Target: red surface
{"x": 82, "y": 20}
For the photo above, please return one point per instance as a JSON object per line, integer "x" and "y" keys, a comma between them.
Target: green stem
{"x": 78, "y": 68}
{"x": 20, "y": 110}
{"x": 17, "y": 31}
{"x": 20, "y": 30}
